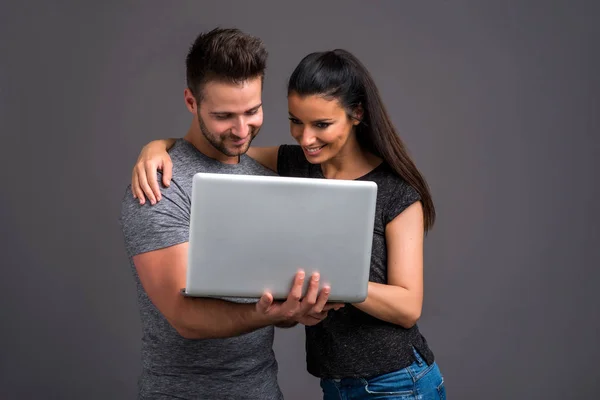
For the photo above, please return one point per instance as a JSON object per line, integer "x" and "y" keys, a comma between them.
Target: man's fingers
{"x": 264, "y": 304}
{"x": 296, "y": 291}
{"x": 312, "y": 319}
{"x": 313, "y": 290}
{"x": 322, "y": 300}
{"x": 333, "y": 306}
{"x": 321, "y": 316}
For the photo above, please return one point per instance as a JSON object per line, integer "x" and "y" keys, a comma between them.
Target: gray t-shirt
{"x": 242, "y": 367}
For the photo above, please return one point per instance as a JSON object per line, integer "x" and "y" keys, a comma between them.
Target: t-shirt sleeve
{"x": 151, "y": 227}
{"x": 402, "y": 196}
{"x": 291, "y": 161}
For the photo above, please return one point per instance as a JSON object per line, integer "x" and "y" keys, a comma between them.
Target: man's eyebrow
{"x": 229, "y": 112}
{"x": 255, "y": 107}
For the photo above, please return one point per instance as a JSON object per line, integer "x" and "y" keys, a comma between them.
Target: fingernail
{"x": 316, "y": 277}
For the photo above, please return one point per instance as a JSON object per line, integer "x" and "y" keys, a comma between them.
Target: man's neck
{"x": 198, "y": 140}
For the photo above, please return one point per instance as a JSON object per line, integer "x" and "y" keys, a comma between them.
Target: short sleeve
{"x": 152, "y": 227}
{"x": 292, "y": 162}
{"x": 398, "y": 200}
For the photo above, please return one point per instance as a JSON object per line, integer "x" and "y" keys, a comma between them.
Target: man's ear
{"x": 190, "y": 101}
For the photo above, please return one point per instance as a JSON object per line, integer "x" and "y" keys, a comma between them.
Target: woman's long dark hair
{"x": 340, "y": 75}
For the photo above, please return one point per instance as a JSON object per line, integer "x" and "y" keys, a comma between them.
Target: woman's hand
{"x": 152, "y": 158}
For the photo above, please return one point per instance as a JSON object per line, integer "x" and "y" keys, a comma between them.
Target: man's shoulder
{"x": 148, "y": 227}
{"x": 174, "y": 204}
{"x": 252, "y": 167}
{"x": 174, "y": 195}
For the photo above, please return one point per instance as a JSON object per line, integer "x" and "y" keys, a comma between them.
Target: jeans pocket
{"x": 398, "y": 384}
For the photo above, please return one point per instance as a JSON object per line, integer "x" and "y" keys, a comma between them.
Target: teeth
{"x": 314, "y": 150}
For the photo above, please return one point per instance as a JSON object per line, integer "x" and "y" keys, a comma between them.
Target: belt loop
{"x": 418, "y": 357}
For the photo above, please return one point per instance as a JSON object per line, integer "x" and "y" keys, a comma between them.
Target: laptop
{"x": 250, "y": 234}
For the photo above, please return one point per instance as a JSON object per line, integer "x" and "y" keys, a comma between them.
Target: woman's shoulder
{"x": 394, "y": 192}
{"x": 291, "y": 150}
{"x": 291, "y": 161}
{"x": 387, "y": 178}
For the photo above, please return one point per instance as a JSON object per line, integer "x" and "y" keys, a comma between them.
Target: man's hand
{"x": 308, "y": 310}
{"x": 314, "y": 317}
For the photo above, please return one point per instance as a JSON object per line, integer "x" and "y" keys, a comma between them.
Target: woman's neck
{"x": 350, "y": 163}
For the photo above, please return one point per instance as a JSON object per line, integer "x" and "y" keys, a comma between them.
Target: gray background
{"x": 497, "y": 101}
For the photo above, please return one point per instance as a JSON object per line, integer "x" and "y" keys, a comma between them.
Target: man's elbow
{"x": 195, "y": 334}
{"x": 188, "y": 333}
{"x": 184, "y": 331}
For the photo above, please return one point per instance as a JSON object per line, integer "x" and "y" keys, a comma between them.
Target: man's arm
{"x": 287, "y": 324}
{"x": 162, "y": 273}
{"x": 156, "y": 239}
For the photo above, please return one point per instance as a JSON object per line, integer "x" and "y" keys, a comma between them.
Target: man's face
{"x": 230, "y": 115}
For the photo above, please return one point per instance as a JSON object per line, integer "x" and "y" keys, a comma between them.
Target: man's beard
{"x": 219, "y": 141}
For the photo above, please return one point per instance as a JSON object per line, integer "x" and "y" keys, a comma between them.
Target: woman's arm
{"x": 401, "y": 300}
{"x": 152, "y": 158}
{"x": 266, "y": 156}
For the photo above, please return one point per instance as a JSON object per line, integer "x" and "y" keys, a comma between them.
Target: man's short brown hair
{"x": 226, "y": 55}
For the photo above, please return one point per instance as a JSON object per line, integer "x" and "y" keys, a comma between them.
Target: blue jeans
{"x": 417, "y": 381}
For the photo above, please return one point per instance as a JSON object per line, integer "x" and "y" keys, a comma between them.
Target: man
{"x": 208, "y": 348}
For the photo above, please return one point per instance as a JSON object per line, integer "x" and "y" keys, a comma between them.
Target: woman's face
{"x": 321, "y": 126}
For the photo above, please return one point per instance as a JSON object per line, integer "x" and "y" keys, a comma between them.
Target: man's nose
{"x": 241, "y": 128}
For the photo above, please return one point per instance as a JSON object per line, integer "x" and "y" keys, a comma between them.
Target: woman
{"x": 373, "y": 349}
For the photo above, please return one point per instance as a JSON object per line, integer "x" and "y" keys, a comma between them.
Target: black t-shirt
{"x": 350, "y": 343}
